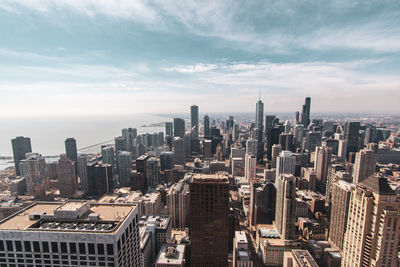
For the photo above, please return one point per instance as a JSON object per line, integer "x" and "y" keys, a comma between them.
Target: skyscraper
{"x": 206, "y": 126}
{"x": 194, "y": 120}
{"x": 36, "y": 176}
{"x": 322, "y": 161}
{"x": 341, "y": 192}
{"x": 352, "y": 136}
{"x": 208, "y": 215}
{"x": 285, "y": 214}
{"x": 372, "y": 231}
{"x": 169, "y": 129}
{"x": 20, "y": 145}
{"x": 179, "y": 151}
{"x": 276, "y": 150}
{"x": 365, "y": 164}
{"x": 124, "y": 167}
{"x": 260, "y": 115}
{"x": 153, "y": 172}
{"x": 178, "y": 204}
{"x": 107, "y": 153}
{"x": 167, "y": 160}
{"x": 305, "y": 113}
{"x": 83, "y": 172}
{"x": 66, "y": 176}
{"x": 100, "y": 179}
{"x": 179, "y": 127}
{"x": 71, "y": 150}
{"x": 250, "y": 164}
{"x": 285, "y": 163}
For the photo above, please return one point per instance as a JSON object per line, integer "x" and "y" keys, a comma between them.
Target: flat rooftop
{"x": 40, "y": 217}
{"x": 171, "y": 254}
{"x": 209, "y": 178}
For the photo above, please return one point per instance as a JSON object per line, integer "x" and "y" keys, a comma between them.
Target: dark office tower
{"x": 20, "y": 146}
{"x": 209, "y": 218}
{"x": 285, "y": 215}
{"x": 259, "y": 114}
{"x": 229, "y": 123}
{"x": 124, "y": 168}
{"x": 272, "y": 139}
{"x": 179, "y": 127}
{"x": 120, "y": 144}
{"x": 194, "y": 120}
{"x": 206, "y": 126}
{"x": 305, "y": 113}
{"x": 269, "y": 123}
{"x": 262, "y": 203}
{"x": 352, "y": 135}
{"x": 70, "y": 149}
{"x": 167, "y": 160}
{"x": 169, "y": 129}
{"x": 313, "y": 139}
{"x": 100, "y": 180}
{"x": 179, "y": 151}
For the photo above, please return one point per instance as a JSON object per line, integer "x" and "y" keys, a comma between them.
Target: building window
{"x": 100, "y": 249}
{"x": 9, "y": 245}
{"x": 91, "y": 248}
{"x": 82, "y": 248}
{"x": 110, "y": 249}
{"x": 64, "y": 247}
{"x": 72, "y": 247}
{"x": 54, "y": 247}
{"x": 45, "y": 246}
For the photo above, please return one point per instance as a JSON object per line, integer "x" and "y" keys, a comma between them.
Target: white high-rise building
{"x": 250, "y": 165}
{"x": 286, "y": 163}
{"x": 241, "y": 255}
{"x": 74, "y": 233}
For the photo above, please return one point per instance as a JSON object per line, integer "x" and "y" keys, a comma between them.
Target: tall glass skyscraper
{"x": 194, "y": 119}
{"x": 20, "y": 146}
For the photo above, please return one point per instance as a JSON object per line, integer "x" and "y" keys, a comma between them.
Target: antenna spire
{"x": 259, "y": 94}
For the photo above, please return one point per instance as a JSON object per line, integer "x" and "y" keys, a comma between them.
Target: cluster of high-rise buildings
{"x": 213, "y": 192}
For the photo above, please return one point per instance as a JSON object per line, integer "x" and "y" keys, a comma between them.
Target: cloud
{"x": 192, "y": 68}
{"x": 263, "y": 26}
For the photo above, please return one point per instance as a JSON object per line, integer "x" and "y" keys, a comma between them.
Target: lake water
{"x": 49, "y": 133}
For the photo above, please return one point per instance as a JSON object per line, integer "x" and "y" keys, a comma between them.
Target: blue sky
{"x": 75, "y": 57}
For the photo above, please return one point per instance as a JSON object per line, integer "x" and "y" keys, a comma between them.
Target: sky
{"x": 112, "y": 57}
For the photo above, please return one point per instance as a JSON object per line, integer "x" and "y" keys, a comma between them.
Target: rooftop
{"x": 46, "y": 216}
{"x": 378, "y": 185}
{"x": 209, "y": 178}
{"x": 171, "y": 254}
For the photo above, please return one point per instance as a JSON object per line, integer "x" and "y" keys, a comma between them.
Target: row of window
{"x": 55, "y": 247}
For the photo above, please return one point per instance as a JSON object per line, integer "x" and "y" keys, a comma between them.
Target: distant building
{"x": 153, "y": 172}
{"x": 365, "y": 165}
{"x": 178, "y": 204}
{"x": 209, "y": 205}
{"x": 194, "y": 120}
{"x": 82, "y": 172}
{"x": 100, "y": 180}
{"x": 71, "y": 150}
{"x": 169, "y": 131}
{"x": 108, "y": 156}
{"x": 286, "y": 163}
{"x": 167, "y": 160}
{"x": 36, "y": 176}
{"x": 124, "y": 168}
{"x": 352, "y": 136}
{"x": 179, "y": 151}
{"x": 250, "y": 165}
{"x": 179, "y": 127}
{"x": 322, "y": 161}
{"x": 20, "y": 145}
{"x": 66, "y": 176}
{"x": 206, "y": 126}
{"x": 305, "y": 113}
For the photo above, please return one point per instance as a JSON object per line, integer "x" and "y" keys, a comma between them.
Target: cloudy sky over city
{"x": 74, "y": 57}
